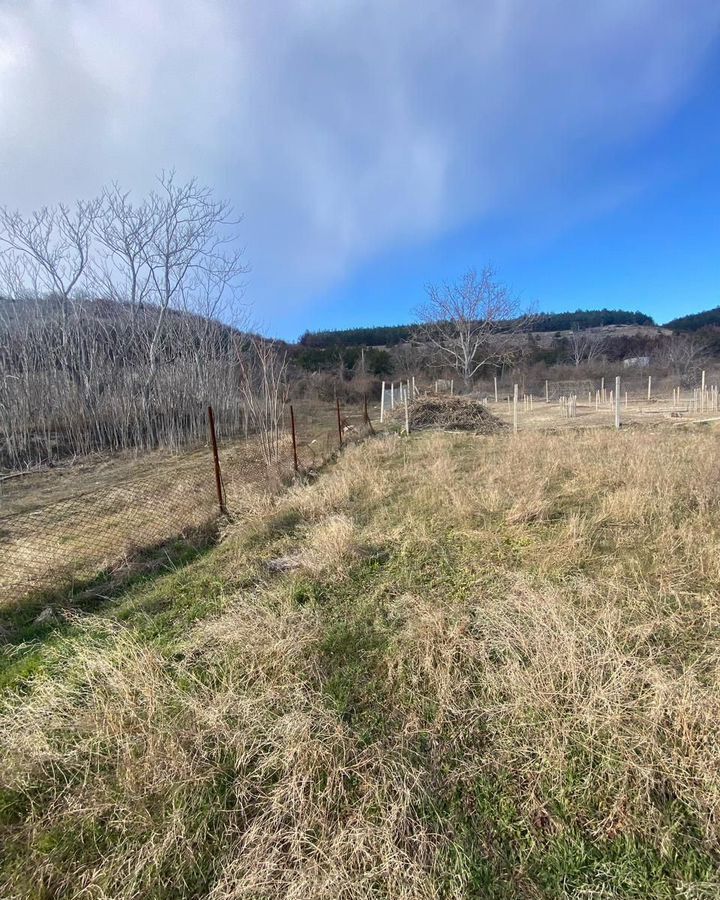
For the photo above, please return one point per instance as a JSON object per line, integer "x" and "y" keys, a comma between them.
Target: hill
{"x": 708, "y": 319}
{"x": 104, "y": 375}
{"x": 390, "y": 335}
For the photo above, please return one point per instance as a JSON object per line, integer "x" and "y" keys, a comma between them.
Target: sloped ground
{"x": 485, "y": 669}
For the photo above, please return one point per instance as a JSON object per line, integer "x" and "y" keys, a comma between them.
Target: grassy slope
{"x": 492, "y": 672}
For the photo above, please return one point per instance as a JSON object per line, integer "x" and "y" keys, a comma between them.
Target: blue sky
{"x": 655, "y": 246}
{"x": 374, "y": 147}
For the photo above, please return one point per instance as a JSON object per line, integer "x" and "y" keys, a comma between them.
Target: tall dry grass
{"x": 492, "y": 672}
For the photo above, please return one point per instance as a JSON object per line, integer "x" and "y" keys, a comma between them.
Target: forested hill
{"x": 696, "y": 321}
{"x": 389, "y": 335}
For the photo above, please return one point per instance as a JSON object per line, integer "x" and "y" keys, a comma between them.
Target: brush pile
{"x": 448, "y": 414}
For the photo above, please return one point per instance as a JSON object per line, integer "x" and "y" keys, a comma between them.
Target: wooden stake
{"x": 617, "y": 401}
{"x": 515, "y": 408}
{"x": 382, "y": 403}
{"x": 495, "y": 380}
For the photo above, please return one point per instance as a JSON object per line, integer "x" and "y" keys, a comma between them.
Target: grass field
{"x": 450, "y": 667}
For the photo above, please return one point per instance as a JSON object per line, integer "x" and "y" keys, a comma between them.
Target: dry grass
{"x": 494, "y": 674}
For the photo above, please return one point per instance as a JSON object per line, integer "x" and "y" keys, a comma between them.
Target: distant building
{"x": 637, "y": 362}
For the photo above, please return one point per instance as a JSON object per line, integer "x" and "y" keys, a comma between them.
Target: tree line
{"x": 391, "y": 335}
{"x": 710, "y": 318}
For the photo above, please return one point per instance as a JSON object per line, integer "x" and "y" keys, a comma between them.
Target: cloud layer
{"x": 340, "y": 129}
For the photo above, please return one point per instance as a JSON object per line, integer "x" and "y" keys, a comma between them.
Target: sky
{"x": 376, "y": 147}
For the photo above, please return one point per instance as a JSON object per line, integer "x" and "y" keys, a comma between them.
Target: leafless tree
{"x": 471, "y": 323}
{"x": 586, "y": 345}
{"x": 685, "y": 357}
{"x": 124, "y": 231}
{"x": 263, "y": 384}
{"x": 190, "y": 247}
{"x": 56, "y": 241}
{"x": 51, "y": 248}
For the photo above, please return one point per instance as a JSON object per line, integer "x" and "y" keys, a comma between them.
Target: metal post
{"x": 337, "y": 403}
{"x": 216, "y": 460}
{"x": 495, "y": 380}
{"x": 382, "y": 403}
{"x": 547, "y": 392}
{"x": 515, "y": 409}
{"x": 292, "y": 425}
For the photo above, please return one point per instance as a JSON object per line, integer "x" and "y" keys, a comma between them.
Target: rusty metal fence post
{"x": 216, "y": 460}
{"x": 294, "y": 439}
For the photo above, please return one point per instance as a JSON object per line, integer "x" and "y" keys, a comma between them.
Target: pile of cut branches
{"x": 449, "y": 414}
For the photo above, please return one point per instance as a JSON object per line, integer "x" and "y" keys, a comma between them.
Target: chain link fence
{"x": 73, "y": 528}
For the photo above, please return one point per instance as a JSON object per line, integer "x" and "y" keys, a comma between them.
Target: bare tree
{"x": 56, "y": 240}
{"x": 471, "y": 323}
{"x": 191, "y": 243}
{"x": 124, "y": 232}
{"x": 52, "y": 249}
{"x": 263, "y": 384}
{"x": 586, "y": 345}
{"x": 685, "y": 356}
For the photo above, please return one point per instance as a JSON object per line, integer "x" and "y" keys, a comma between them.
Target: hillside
{"x": 449, "y": 667}
{"x": 88, "y": 374}
{"x": 708, "y": 319}
{"x": 390, "y": 335}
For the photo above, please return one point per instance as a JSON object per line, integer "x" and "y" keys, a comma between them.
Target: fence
{"x": 67, "y": 529}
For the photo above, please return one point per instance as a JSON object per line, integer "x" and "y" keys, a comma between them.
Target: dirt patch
{"x": 449, "y": 414}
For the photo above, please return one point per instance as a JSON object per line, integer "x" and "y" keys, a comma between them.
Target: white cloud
{"x": 340, "y": 129}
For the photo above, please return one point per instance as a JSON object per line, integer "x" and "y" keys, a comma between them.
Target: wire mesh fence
{"x": 56, "y": 536}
